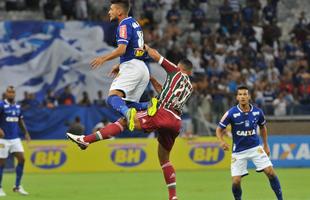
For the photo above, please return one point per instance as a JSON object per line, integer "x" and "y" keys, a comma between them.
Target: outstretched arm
{"x": 120, "y": 50}
{"x": 152, "y": 53}
{"x": 166, "y": 64}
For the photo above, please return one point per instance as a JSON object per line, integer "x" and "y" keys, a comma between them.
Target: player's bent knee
{"x": 117, "y": 93}
{"x": 236, "y": 180}
{"x": 269, "y": 171}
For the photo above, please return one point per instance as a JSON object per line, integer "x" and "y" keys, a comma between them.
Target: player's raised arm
{"x": 153, "y": 53}
{"x": 120, "y": 50}
{"x": 166, "y": 64}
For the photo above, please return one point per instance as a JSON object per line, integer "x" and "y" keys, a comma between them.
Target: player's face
{"x": 243, "y": 97}
{"x": 114, "y": 12}
{"x": 10, "y": 94}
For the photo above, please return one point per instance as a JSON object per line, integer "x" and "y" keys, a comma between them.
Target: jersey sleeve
{"x": 225, "y": 120}
{"x": 261, "y": 118}
{"x": 168, "y": 66}
{"x": 124, "y": 33}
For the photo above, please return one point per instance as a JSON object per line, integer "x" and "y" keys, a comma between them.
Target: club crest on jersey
{"x": 123, "y": 31}
{"x": 236, "y": 115}
{"x": 255, "y": 113}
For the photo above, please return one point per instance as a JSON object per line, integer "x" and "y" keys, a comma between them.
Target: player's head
{"x": 119, "y": 8}
{"x": 10, "y": 93}
{"x": 186, "y": 66}
{"x": 243, "y": 95}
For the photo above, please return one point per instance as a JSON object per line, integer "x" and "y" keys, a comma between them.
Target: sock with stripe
{"x": 275, "y": 185}
{"x": 118, "y": 104}
{"x": 237, "y": 191}
{"x": 170, "y": 178}
{"x": 138, "y": 106}
{"x": 107, "y": 132}
{"x": 19, "y": 173}
{"x": 1, "y": 175}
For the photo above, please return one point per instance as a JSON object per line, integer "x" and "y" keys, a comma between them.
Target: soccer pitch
{"x": 191, "y": 185}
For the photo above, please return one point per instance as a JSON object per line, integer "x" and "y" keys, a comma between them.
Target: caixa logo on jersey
{"x": 48, "y": 157}
{"x": 128, "y": 155}
{"x": 206, "y": 153}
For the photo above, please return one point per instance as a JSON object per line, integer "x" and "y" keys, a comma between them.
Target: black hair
{"x": 242, "y": 87}
{"x": 10, "y": 87}
{"x": 187, "y": 64}
{"x": 123, "y": 3}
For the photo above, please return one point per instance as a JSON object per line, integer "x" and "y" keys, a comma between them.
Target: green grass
{"x": 191, "y": 185}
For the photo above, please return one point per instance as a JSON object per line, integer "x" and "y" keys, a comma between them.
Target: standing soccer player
{"x": 166, "y": 121}
{"x": 244, "y": 120}
{"x": 133, "y": 75}
{"x": 11, "y": 119}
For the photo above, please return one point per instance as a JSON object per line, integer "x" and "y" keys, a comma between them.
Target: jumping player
{"x": 133, "y": 75}
{"x": 166, "y": 121}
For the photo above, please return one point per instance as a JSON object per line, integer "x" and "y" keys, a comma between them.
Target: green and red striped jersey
{"x": 176, "y": 89}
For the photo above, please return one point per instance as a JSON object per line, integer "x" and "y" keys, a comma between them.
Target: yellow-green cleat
{"x": 130, "y": 117}
{"x": 152, "y": 108}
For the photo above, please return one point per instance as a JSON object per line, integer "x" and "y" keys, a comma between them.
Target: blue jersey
{"x": 244, "y": 126}
{"x": 9, "y": 117}
{"x": 129, "y": 32}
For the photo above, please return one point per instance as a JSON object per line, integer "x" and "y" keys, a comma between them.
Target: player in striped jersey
{"x": 166, "y": 121}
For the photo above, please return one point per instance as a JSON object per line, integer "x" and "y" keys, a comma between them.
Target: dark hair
{"x": 123, "y": 3}
{"x": 242, "y": 87}
{"x": 11, "y": 87}
{"x": 187, "y": 64}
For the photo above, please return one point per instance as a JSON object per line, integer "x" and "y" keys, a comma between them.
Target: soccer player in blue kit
{"x": 245, "y": 120}
{"x": 11, "y": 119}
{"x": 133, "y": 74}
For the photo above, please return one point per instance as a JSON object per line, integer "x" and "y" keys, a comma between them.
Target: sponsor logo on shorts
{"x": 48, "y": 157}
{"x": 206, "y": 153}
{"x": 128, "y": 155}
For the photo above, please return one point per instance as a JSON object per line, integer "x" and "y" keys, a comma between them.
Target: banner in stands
{"x": 44, "y": 123}
{"x": 122, "y": 155}
{"x": 37, "y": 56}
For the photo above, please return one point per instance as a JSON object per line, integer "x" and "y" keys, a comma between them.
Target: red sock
{"x": 170, "y": 178}
{"x": 105, "y": 133}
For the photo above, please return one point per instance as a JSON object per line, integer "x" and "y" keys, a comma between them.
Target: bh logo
{"x": 206, "y": 154}
{"x": 48, "y": 158}
{"x": 128, "y": 156}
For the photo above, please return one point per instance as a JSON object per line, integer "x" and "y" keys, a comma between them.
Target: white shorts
{"x": 132, "y": 79}
{"x": 239, "y": 161}
{"x": 10, "y": 146}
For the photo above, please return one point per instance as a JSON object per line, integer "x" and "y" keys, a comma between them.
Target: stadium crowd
{"x": 243, "y": 47}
